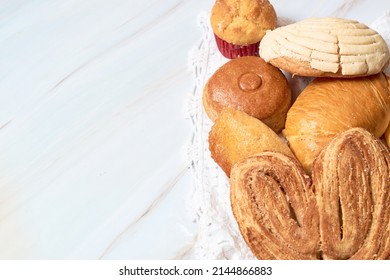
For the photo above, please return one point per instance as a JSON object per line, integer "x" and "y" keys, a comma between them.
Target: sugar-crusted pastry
{"x": 351, "y": 177}
{"x": 326, "y": 47}
{"x": 342, "y": 213}
{"x": 328, "y": 106}
{"x": 236, "y": 135}
{"x": 251, "y": 85}
{"x": 239, "y": 25}
{"x": 275, "y": 207}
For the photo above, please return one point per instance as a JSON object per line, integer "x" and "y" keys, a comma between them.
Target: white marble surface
{"x": 92, "y": 131}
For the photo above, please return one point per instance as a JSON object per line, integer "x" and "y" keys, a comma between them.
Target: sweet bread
{"x": 251, "y": 85}
{"x": 351, "y": 177}
{"x": 239, "y": 25}
{"x": 236, "y": 135}
{"x": 275, "y": 207}
{"x": 331, "y": 47}
{"x": 342, "y": 213}
{"x": 328, "y": 106}
{"x": 242, "y": 22}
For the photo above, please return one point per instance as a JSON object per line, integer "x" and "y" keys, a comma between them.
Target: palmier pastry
{"x": 236, "y": 135}
{"x": 251, "y": 85}
{"x": 351, "y": 177}
{"x": 331, "y": 47}
{"x": 275, "y": 207}
{"x": 328, "y": 106}
{"x": 342, "y": 214}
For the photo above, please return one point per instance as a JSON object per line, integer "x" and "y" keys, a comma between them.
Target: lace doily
{"x": 218, "y": 236}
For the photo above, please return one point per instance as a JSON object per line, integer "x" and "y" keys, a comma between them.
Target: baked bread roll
{"x": 236, "y": 135}
{"x": 387, "y": 136}
{"x": 331, "y": 47}
{"x": 342, "y": 214}
{"x": 251, "y": 85}
{"x": 328, "y": 106}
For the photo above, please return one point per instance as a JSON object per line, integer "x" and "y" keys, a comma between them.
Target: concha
{"x": 328, "y": 47}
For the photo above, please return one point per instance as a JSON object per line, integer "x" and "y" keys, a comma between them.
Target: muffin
{"x": 251, "y": 85}
{"x": 239, "y": 26}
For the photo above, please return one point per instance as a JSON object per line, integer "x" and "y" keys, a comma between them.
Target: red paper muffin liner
{"x": 231, "y": 51}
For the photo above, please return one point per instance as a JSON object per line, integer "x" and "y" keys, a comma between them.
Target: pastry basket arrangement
{"x": 291, "y": 146}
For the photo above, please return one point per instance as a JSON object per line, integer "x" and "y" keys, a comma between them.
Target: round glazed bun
{"x": 251, "y": 85}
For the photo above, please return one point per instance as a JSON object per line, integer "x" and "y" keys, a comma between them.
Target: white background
{"x": 92, "y": 131}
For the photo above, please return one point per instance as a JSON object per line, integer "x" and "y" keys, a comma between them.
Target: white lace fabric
{"x": 218, "y": 235}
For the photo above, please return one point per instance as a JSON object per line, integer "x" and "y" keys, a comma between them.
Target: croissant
{"x": 328, "y": 106}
